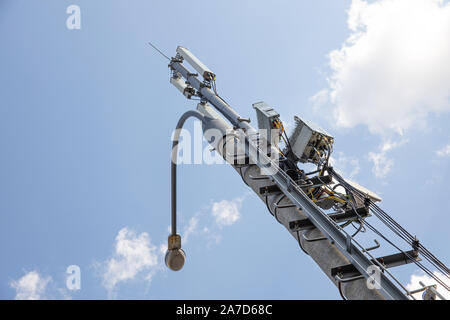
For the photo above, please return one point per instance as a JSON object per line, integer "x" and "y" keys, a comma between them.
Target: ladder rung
{"x": 393, "y": 260}
{"x": 306, "y": 224}
{"x": 313, "y": 181}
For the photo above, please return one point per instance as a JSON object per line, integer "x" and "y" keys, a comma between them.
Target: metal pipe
{"x": 173, "y": 171}
{"x": 231, "y": 115}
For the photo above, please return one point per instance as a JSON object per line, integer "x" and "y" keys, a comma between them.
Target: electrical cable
{"x": 397, "y": 229}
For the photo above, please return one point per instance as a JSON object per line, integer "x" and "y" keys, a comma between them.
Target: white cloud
{"x": 444, "y": 152}
{"x": 394, "y": 68}
{"x": 190, "y": 228}
{"x": 319, "y": 99}
{"x": 347, "y": 166}
{"x": 382, "y": 164}
{"x": 163, "y": 248}
{"x": 31, "y": 286}
{"x": 427, "y": 280}
{"x": 134, "y": 254}
{"x": 226, "y": 212}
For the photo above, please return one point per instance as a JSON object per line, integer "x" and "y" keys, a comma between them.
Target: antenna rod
{"x": 154, "y": 47}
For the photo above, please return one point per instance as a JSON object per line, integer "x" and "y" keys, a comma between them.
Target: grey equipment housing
{"x": 267, "y": 117}
{"x": 309, "y": 141}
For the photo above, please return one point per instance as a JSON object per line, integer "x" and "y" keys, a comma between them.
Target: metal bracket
{"x": 389, "y": 261}
{"x": 258, "y": 178}
{"x": 306, "y": 224}
{"x": 310, "y": 183}
{"x": 243, "y": 119}
{"x": 376, "y": 246}
{"x": 285, "y": 206}
{"x": 430, "y": 292}
{"x": 349, "y": 243}
{"x": 349, "y": 279}
{"x": 313, "y": 239}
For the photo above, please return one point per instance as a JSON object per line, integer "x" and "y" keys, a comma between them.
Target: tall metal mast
{"x": 274, "y": 176}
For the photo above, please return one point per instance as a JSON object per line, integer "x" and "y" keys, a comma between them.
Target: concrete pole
{"x": 322, "y": 252}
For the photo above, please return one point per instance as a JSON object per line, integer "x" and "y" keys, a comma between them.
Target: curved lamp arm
{"x": 175, "y": 256}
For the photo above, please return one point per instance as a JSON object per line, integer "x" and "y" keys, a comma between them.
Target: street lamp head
{"x": 175, "y": 256}
{"x": 175, "y": 259}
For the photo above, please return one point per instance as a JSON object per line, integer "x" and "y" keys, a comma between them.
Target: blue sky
{"x": 86, "y": 118}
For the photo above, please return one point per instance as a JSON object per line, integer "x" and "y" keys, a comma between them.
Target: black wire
{"x": 312, "y": 172}
{"x": 402, "y": 233}
{"x": 378, "y": 212}
{"x": 398, "y": 230}
{"x": 420, "y": 265}
{"x": 359, "y": 229}
{"x": 287, "y": 139}
{"x": 381, "y": 235}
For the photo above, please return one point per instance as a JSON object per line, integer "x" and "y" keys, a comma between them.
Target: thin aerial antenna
{"x": 154, "y": 47}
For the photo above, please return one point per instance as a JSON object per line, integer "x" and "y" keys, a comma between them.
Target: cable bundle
{"x": 395, "y": 227}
